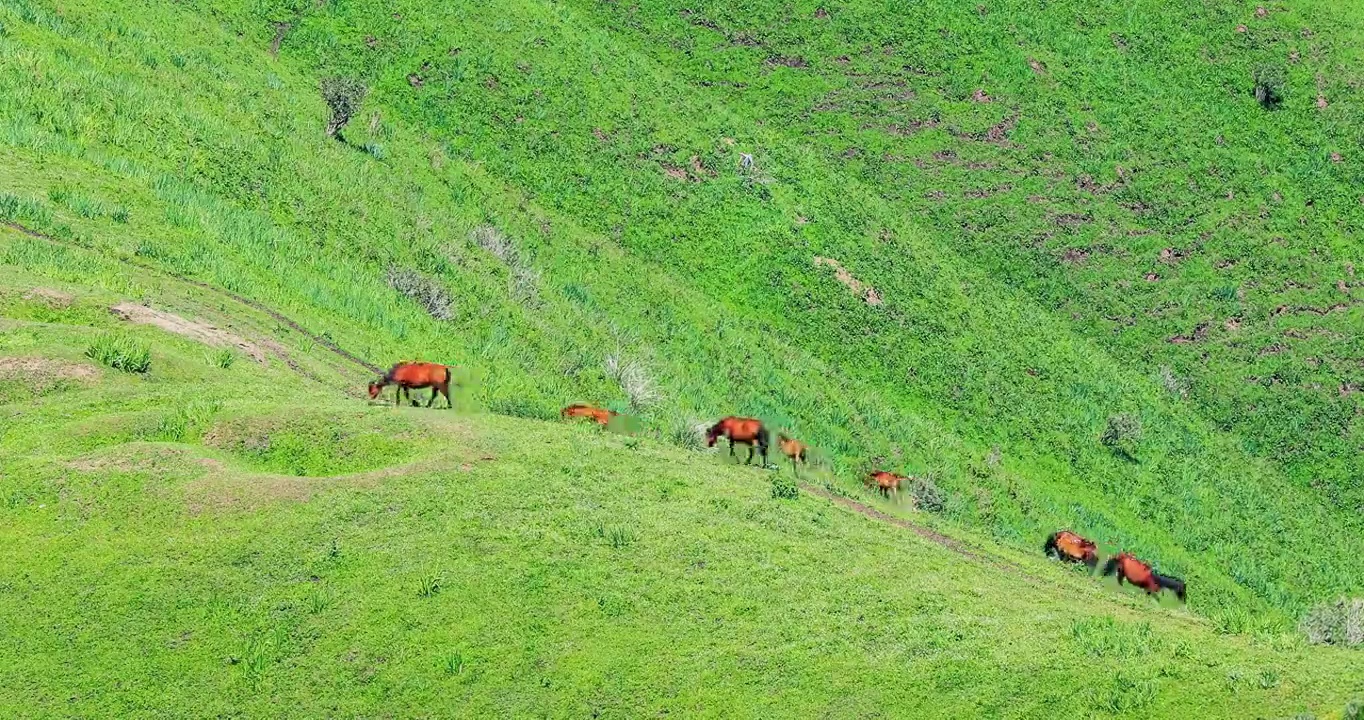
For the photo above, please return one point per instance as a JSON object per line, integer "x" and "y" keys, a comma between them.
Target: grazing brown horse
{"x": 746, "y": 431}
{"x": 410, "y": 376}
{"x": 792, "y": 448}
{"x": 1070, "y": 547}
{"x": 602, "y": 416}
{"x": 1140, "y": 574}
{"x": 886, "y": 483}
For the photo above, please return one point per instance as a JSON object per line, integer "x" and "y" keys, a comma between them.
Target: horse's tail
{"x": 1111, "y": 566}
{"x": 1173, "y": 583}
{"x": 1050, "y": 546}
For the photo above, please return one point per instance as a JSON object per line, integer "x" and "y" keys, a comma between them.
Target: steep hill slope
{"x": 563, "y": 184}
{"x": 202, "y": 540}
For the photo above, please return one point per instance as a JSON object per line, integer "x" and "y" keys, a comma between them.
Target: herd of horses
{"x": 1064, "y": 544}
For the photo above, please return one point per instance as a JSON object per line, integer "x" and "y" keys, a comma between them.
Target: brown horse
{"x": 1140, "y": 574}
{"x": 886, "y": 483}
{"x": 746, "y": 431}
{"x": 792, "y": 448}
{"x": 410, "y": 376}
{"x": 1070, "y": 547}
{"x": 583, "y": 410}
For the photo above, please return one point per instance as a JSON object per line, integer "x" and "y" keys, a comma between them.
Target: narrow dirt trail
{"x": 279, "y": 317}
{"x": 923, "y": 532}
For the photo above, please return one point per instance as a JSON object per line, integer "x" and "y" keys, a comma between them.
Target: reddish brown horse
{"x": 410, "y": 376}
{"x": 886, "y": 483}
{"x": 792, "y": 448}
{"x": 583, "y": 410}
{"x": 745, "y": 431}
{"x": 1070, "y": 547}
{"x": 1140, "y": 574}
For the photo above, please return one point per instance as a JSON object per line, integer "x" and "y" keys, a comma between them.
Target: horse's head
{"x": 713, "y": 434}
{"x": 374, "y": 389}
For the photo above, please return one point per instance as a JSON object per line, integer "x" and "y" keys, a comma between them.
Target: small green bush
{"x": 120, "y": 352}
{"x": 1270, "y": 81}
{"x": 927, "y": 496}
{"x": 1122, "y": 434}
{"x": 785, "y": 488}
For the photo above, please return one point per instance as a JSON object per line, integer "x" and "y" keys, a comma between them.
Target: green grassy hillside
{"x": 202, "y": 540}
{"x": 958, "y": 241}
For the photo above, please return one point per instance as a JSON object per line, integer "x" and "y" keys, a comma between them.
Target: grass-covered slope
{"x": 203, "y": 541}
{"x": 602, "y": 143}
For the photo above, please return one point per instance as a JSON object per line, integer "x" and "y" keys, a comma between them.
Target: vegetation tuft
{"x": 120, "y": 352}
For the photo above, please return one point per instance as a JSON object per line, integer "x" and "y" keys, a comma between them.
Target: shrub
{"x": 784, "y": 488}
{"x": 689, "y": 435}
{"x": 343, "y": 97}
{"x": 120, "y": 352}
{"x": 926, "y": 494}
{"x": 1270, "y": 80}
{"x": 1337, "y": 623}
{"x": 1122, "y": 434}
{"x": 427, "y": 291}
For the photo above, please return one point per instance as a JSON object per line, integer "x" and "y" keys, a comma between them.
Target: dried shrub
{"x": 1337, "y": 623}
{"x": 634, "y": 380}
{"x": 343, "y": 97}
{"x": 496, "y": 243}
{"x": 426, "y": 291}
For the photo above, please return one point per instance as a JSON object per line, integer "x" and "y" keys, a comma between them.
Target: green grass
{"x": 1122, "y": 238}
{"x": 120, "y": 352}
{"x": 525, "y": 567}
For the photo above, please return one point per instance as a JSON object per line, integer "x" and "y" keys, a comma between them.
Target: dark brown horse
{"x": 1138, "y": 573}
{"x": 410, "y": 376}
{"x": 601, "y": 416}
{"x": 745, "y": 431}
{"x": 1070, "y": 547}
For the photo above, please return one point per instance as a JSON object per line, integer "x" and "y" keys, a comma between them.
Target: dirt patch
{"x": 194, "y": 330}
{"x": 49, "y": 297}
{"x": 30, "y": 368}
{"x": 30, "y": 377}
{"x": 858, "y": 288}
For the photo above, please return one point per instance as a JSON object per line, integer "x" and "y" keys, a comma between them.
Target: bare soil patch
{"x": 858, "y": 288}
{"x": 194, "y": 330}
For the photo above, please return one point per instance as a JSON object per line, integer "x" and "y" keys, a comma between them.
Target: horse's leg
{"x": 749, "y": 461}
{"x": 434, "y": 392}
{"x": 449, "y": 404}
{"x": 731, "y": 447}
{"x": 397, "y": 396}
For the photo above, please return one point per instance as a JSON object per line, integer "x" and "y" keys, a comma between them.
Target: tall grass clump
{"x": 426, "y": 291}
{"x": 1337, "y": 623}
{"x": 343, "y": 97}
{"x": 120, "y": 352}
